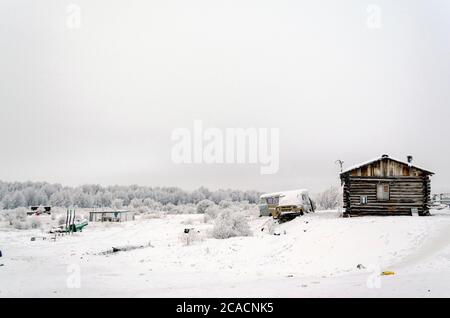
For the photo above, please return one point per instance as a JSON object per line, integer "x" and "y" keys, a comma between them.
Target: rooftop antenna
{"x": 340, "y": 163}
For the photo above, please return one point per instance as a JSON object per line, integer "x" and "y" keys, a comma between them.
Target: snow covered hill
{"x": 317, "y": 255}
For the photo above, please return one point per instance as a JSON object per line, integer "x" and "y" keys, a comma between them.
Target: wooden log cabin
{"x": 386, "y": 186}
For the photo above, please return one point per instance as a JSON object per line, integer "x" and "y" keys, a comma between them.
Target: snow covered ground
{"x": 316, "y": 255}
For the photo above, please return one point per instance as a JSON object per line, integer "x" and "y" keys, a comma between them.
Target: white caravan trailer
{"x": 268, "y": 203}
{"x": 286, "y": 204}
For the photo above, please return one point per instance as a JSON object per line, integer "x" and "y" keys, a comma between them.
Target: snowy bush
{"x": 244, "y": 204}
{"x": 225, "y": 204}
{"x": 20, "y": 225}
{"x": 142, "y": 209}
{"x": 187, "y": 209}
{"x": 203, "y": 205}
{"x": 18, "y": 219}
{"x": 153, "y": 215}
{"x": 15, "y": 216}
{"x": 180, "y": 209}
{"x": 229, "y": 224}
{"x": 211, "y": 213}
{"x": 170, "y": 208}
{"x": 329, "y": 199}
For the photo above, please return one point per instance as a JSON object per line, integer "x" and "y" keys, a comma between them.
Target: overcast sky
{"x": 98, "y": 103}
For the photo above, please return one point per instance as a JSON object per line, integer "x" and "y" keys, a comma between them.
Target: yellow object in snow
{"x": 385, "y": 273}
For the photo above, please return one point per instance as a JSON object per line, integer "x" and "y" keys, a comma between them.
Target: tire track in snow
{"x": 433, "y": 244}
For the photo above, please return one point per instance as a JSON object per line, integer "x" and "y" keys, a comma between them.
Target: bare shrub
{"x": 229, "y": 224}
{"x": 329, "y": 199}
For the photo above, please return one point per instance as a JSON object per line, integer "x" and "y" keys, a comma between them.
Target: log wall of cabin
{"x": 406, "y": 193}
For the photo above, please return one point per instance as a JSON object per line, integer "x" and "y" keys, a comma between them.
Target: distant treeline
{"x": 25, "y": 194}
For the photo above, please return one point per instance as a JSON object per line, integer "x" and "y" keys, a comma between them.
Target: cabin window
{"x": 363, "y": 199}
{"x": 383, "y": 193}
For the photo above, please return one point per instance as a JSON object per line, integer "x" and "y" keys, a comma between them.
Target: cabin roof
{"x": 111, "y": 211}
{"x": 382, "y": 158}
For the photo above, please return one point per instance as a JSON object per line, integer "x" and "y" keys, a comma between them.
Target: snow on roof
{"x": 362, "y": 164}
{"x": 283, "y": 193}
{"x": 110, "y": 211}
{"x": 291, "y": 198}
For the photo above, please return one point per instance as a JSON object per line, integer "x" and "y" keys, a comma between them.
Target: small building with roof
{"x": 386, "y": 186}
{"x": 111, "y": 216}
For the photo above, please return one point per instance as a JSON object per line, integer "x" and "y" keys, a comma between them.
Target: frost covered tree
{"x": 62, "y": 199}
{"x": 117, "y": 204}
{"x": 40, "y": 198}
{"x": 17, "y": 200}
{"x": 82, "y": 200}
{"x": 106, "y": 199}
{"x": 329, "y": 199}
{"x": 7, "y": 201}
{"x": 197, "y": 196}
{"x": 97, "y": 200}
{"x": 14, "y": 194}
{"x": 136, "y": 203}
{"x": 152, "y": 204}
